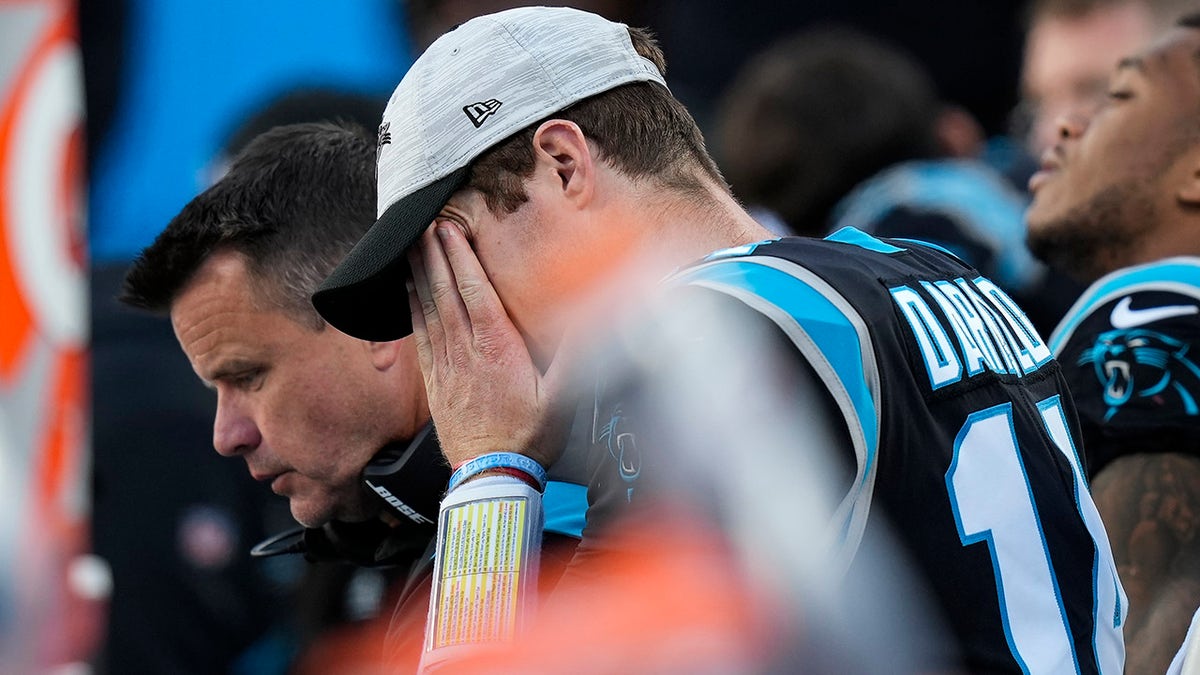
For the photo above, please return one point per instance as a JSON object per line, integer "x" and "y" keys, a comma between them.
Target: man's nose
{"x": 234, "y": 431}
{"x": 1072, "y": 125}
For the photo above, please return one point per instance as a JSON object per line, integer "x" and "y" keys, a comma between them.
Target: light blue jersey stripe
{"x": 819, "y": 321}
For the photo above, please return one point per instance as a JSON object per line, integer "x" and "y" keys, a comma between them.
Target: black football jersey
{"x": 963, "y": 440}
{"x": 1128, "y": 349}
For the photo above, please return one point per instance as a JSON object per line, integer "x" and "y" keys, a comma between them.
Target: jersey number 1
{"x": 987, "y": 463}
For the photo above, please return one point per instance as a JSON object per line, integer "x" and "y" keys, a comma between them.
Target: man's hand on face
{"x": 485, "y": 393}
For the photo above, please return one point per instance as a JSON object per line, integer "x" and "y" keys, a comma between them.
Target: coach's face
{"x": 1111, "y": 176}
{"x": 305, "y": 408}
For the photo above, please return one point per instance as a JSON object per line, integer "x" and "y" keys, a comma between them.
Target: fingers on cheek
{"x": 417, "y": 264}
{"x": 420, "y": 335}
{"x": 431, "y": 247}
{"x": 419, "y": 293}
{"x": 414, "y": 305}
{"x": 424, "y": 294}
{"x": 451, "y": 240}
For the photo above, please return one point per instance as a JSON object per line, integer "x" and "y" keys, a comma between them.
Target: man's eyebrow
{"x": 230, "y": 369}
{"x": 1132, "y": 62}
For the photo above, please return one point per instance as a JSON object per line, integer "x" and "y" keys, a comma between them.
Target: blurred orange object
{"x": 51, "y": 594}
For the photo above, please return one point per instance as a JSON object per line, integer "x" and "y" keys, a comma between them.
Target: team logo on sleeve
{"x": 621, "y": 445}
{"x": 1143, "y": 364}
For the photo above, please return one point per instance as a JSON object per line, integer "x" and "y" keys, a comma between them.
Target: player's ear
{"x": 383, "y": 354}
{"x": 1188, "y": 193}
{"x": 560, "y": 147}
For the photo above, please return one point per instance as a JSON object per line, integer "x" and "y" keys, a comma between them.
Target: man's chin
{"x": 310, "y": 514}
{"x": 317, "y": 512}
{"x": 1080, "y": 252}
{"x": 1044, "y": 242}
{"x": 1040, "y": 213}
{"x": 1045, "y": 228}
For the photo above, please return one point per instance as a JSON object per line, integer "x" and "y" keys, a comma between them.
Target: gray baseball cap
{"x": 474, "y": 87}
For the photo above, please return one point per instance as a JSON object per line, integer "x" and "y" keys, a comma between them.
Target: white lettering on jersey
{"x": 1033, "y": 350}
{"x": 991, "y": 332}
{"x": 941, "y": 361}
{"x": 975, "y": 355}
{"x": 1003, "y": 340}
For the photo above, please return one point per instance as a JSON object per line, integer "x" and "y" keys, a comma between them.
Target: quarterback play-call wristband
{"x": 486, "y": 566}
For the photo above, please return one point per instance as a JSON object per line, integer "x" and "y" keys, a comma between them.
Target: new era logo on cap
{"x": 478, "y": 112}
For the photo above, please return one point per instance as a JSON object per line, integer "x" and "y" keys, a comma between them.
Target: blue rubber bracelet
{"x": 497, "y": 460}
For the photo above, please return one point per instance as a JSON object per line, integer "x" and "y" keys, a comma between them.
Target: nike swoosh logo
{"x": 1124, "y": 317}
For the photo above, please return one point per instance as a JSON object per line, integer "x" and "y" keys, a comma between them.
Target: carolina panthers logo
{"x": 621, "y": 445}
{"x": 1146, "y": 364}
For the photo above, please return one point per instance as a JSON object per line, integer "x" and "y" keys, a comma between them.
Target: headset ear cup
{"x": 411, "y": 480}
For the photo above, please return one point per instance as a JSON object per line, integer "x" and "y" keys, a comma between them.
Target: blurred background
{"x": 124, "y": 537}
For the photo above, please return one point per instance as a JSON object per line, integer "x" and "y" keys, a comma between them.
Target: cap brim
{"x": 364, "y": 296}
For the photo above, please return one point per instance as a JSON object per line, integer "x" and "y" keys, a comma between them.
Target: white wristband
{"x": 486, "y": 566}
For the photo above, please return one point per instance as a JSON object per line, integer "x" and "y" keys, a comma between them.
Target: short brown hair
{"x": 640, "y": 129}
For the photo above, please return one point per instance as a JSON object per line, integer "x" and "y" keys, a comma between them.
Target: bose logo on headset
{"x": 400, "y": 506}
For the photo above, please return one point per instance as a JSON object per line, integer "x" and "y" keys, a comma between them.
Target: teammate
{"x": 1118, "y": 196}
{"x": 556, "y": 168}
